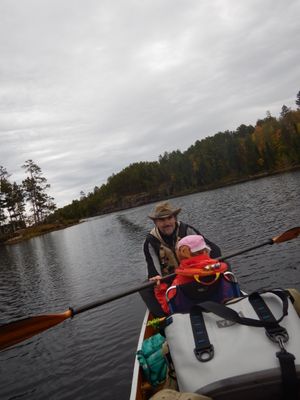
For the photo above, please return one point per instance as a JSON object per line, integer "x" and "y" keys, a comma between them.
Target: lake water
{"x": 92, "y": 355}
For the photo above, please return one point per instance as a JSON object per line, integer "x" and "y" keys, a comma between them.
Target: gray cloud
{"x": 86, "y": 88}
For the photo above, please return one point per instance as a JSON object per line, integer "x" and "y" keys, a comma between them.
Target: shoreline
{"x": 141, "y": 199}
{"x": 31, "y": 232}
{"x": 24, "y": 234}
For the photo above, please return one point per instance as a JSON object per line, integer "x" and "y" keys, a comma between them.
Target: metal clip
{"x": 167, "y": 292}
{"x": 280, "y": 340}
{"x": 230, "y": 277}
{"x": 278, "y": 336}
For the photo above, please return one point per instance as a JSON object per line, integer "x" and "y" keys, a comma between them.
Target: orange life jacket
{"x": 200, "y": 266}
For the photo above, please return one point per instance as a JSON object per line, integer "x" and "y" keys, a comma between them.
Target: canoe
{"x": 139, "y": 386}
{"x": 240, "y": 379}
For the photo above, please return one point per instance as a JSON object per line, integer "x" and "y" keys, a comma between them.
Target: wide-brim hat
{"x": 163, "y": 210}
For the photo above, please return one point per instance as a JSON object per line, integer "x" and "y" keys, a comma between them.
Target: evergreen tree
{"x": 35, "y": 187}
{"x": 18, "y": 200}
{"x": 14, "y": 203}
{"x": 298, "y": 100}
{"x": 284, "y": 111}
{"x": 268, "y": 114}
{"x": 3, "y": 187}
{"x": 82, "y": 195}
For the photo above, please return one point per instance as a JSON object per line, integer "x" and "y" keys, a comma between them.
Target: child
{"x": 195, "y": 264}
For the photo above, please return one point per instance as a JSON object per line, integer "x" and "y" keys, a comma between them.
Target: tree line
{"x": 227, "y": 157}
{"x": 30, "y": 194}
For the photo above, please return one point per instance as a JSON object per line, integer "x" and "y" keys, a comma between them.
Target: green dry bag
{"x": 152, "y": 360}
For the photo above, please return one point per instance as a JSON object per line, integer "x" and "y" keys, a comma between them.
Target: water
{"x": 91, "y": 356}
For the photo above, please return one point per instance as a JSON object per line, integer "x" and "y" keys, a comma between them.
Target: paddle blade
{"x": 288, "y": 235}
{"x": 16, "y": 332}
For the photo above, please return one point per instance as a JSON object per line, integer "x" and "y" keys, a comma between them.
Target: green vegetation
{"x": 273, "y": 145}
{"x": 13, "y": 200}
{"x": 37, "y": 230}
{"x": 33, "y": 190}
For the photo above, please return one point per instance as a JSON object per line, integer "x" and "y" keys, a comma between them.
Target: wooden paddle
{"x": 284, "y": 237}
{"x": 17, "y": 331}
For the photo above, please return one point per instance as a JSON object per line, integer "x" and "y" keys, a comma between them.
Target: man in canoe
{"x": 160, "y": 247}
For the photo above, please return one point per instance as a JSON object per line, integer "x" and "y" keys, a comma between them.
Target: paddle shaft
{"x": 237, "y": 253}
{"x": 108, "y": 299}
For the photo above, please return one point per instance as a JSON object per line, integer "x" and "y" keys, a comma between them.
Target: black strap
{"x": 279, "y": 335}
{"x": 265, "y": 314}
{"x": 225, "y": 312}
{"x": 204, "y": 350}
{"x": 288, "y": 374}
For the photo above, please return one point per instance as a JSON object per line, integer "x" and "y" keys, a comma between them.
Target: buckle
{"x": 230, "y": 277}
{"x": 204, "y": 354}
{"x": 278, "y": 335}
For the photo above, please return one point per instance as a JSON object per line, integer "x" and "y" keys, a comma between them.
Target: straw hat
{"x": 163, "y": 210}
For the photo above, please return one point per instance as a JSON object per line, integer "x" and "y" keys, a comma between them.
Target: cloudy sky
{"x": 88, "y": 87}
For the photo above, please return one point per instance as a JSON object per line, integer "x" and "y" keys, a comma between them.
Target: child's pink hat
{"x": 194, "y": 242}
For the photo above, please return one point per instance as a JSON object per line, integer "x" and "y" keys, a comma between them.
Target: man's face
{"x": 166, "y": 225}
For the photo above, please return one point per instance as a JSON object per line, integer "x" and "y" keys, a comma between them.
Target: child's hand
{"x": 156, "y": 278}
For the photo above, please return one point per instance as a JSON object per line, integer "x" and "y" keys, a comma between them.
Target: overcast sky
{"x": 88, "y": 87}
